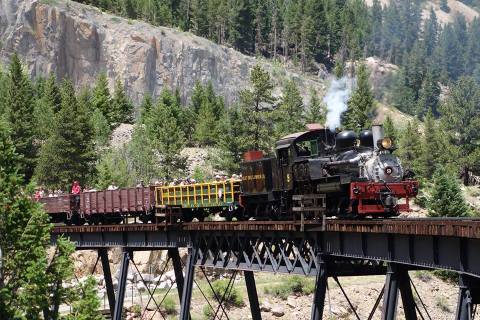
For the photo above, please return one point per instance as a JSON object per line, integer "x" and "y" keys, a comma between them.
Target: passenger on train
{"x": 76, "y": 192}
{"x": 112, "y": 187}
{"x": 37, "y": 195}
{"x": 76, "y": 188}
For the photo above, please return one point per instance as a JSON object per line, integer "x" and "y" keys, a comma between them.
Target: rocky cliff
{"x": 77, "y": 41}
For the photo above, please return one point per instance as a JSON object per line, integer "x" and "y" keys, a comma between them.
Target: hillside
{"x": 78, "y": 42}
{"x": 456, "y": 7}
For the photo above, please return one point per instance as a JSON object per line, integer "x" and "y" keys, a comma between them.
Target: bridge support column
{"x": 469, "y": 295}
{"x": 177, "y": 268}
{"x": 398, "y": 279}
{"x": 252, "y": 295}
{"x": 107, "y": 275}
{"x": 122, "y": 284}
{"x": 406, "y": 293}
{"x": 390, "y": 296}
{"x": 188, "y": 284}
{"x": 321, "y": 284}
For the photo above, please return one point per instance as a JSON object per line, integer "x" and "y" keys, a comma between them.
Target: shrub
{"x": 423, "y": 275}
{"x": 170, "y": 305}
{"x": 207, "y": 311}
{"x": 136, "y": 309}
{"x": 442, "y": 303}
{"x": 235, "y": 298}
{"x": 448, "y": 276}
{"x": 293, "y": 285}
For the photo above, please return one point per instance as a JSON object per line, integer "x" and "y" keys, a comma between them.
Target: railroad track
{"x": 454, "y": 227}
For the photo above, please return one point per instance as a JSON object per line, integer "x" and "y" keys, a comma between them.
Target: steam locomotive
{"x": 314, "y": 174}
{"x": 321, "y": 173}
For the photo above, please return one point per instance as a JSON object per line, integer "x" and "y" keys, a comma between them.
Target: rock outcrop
{"x": 78, "y": 41}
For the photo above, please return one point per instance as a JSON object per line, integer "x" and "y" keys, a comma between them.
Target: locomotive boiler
{"x": 322, "y": 173}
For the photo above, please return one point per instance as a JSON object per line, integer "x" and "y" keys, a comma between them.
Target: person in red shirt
{"x": 76, "y": 192}
{"x": 37, "y": 195}
{"x": 76, "y": 187}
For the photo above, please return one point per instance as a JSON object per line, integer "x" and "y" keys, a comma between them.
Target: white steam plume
{"x": 336, "y": 100}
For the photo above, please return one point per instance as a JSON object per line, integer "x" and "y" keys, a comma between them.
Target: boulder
{"x": 266, "y": 306}
{"x": 277, "y": 311}
{"x": 291, "y": 302}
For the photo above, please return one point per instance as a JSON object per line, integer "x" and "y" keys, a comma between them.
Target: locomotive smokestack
{"x": 378, "y": 134}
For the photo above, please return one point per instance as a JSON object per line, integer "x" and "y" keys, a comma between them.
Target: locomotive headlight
{"x": 385, "y": 143}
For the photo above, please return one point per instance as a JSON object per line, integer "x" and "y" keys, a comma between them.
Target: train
{"x": 314, "y": 174}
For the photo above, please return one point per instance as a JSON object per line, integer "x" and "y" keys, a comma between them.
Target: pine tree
{"x": 101, "y": 128}
{"x": 444, "y": 6}
{"x": 390, "y": 130}
{"x": 316, "y": 112}
{"x": 232, "y": 141}
{"x": 142, "y": 156}
{"x": 46, "y": 106}
{"x": 429, "y": 96}
{"x": 51, "y": 93}
{"x": 69, "y": 153}
{"x": 3, "y": 92}
{"x": 87, "y": 307}
{"x": 460, "y": 118}
{"x": 376, "y": 36}
{"x": 360, "y": 104}
{"x": 432, "y": 147}
{"x": 197, "y": 97}
{"x": 167, "y": 139}
{"x": 121, "y": 106}
{"x": 30, "y": 284}
{"x": 113, "y": 168}
{"x": 289, "y": 116}
{"x": 446, "y": 198}
{"x": 205, "y": 128}
{"x": 430, "y": 33}
{"x": 101, "y": 98}
{"x": 257, "y": 104}
{"x": 145, "y": 107}
{"x": 19, "y": 108}
{"x": 410, "y": 147}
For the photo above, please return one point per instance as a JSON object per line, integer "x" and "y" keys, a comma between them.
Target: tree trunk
{"x": 466, "y": 176}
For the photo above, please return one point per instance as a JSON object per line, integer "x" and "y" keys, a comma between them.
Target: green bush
{"x": 448, "y": 276}
{"x": 235, "y": 298}
{"x": 442, "y": 303}
{"x": 294, "y": 285}
{"x": 207, "y": 311}
{"x": 136, "y": 309}
{"x": 170, "y": 305}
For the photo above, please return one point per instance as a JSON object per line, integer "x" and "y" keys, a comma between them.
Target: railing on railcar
{"x": 199, "y": 195}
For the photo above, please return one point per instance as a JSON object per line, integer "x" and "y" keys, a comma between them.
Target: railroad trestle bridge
{"x": 334, "y": 249}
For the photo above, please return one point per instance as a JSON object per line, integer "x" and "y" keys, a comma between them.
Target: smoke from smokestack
{"x": 336, "y": 100}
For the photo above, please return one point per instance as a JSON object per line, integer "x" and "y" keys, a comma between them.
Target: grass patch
{"x": 423, "y": 275}
{"x": 294, "y": 285}
{"x": 49, "y": 2}
{"x": 207, "y": 312}
{"x": 442, "y": 303}
{"x": 448, "y": 276}
{"x": 170, "y": 305}
{"x": 235, "y": 297}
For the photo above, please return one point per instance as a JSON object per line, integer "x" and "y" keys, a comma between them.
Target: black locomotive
{"x": 322, "y": 173}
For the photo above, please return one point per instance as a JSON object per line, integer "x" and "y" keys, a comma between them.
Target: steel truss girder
{"x": 270, "y": 253}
